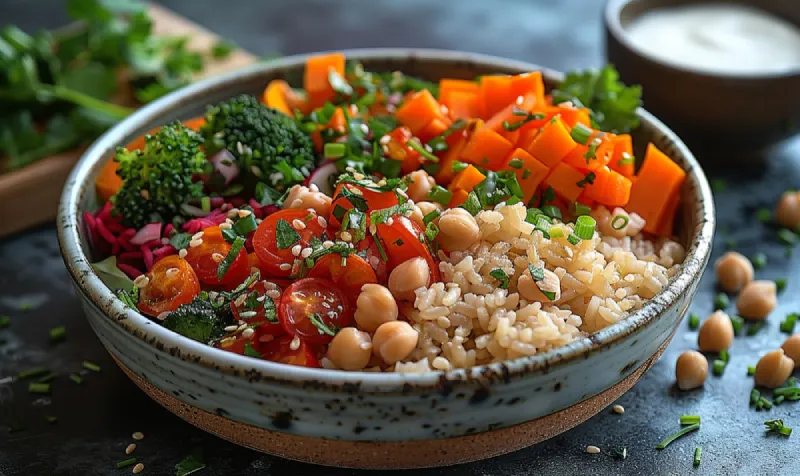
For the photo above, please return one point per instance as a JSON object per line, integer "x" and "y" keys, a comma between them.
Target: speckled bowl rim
{"x": 161, "y": 339}
{"x": 613, "y": 24}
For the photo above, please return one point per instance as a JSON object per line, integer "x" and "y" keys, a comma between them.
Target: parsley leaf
{"x": 190, "y": 464}
{"x": 285, "y": 235}
{"x": 251, "y": 352}
{"x": 180, "y": 241}
{"x": 501, "y": 276}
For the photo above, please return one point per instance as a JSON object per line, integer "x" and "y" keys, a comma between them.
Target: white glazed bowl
{"x": 378, "y": 420}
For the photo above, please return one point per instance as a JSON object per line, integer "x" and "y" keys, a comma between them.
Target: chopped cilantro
{"x": 285, "y": 235}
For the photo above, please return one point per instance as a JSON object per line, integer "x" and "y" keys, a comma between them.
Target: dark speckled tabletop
{"x": 96, "y": 419}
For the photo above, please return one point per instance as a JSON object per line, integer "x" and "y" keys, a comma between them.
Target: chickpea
{"x": 424, "y": 208}
{"x": 420, "y": 185}
{"x": 394, "y": 341}
{"x": 458, "y": 230}
{"x": 691, "y": 370}
{"x": 304, "y": 198}
{"x": 375, "y": 305}
{"x": 773, "y": 369}
{"x": 716, "y": 333}
{"x": 787, "y": 211}
{"x": 409, "y": 276}
{"x": 792, "y": 348}
{"x": 734, "y": 271}
{"x": 350, "y": 349}
{"x": 535, "y": 291}
{"x": 757, "y": 299}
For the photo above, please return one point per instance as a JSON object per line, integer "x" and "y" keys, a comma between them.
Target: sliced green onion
{"x": 721, "y": 301}
{"x": 779, "y": 399}
{"x": 626, "y": 159}
{"x": 724, "y": 356}
{"x": 58, "y": 334}
{"x": 422, "y": 151}
{"x": 737, "y": 322}
{"x": 719, "y": 367}
{"x": 694, "y": 320}
{"x": 246, "y": 225}
{"x": 90, "y": 366}
{"x": 334, "y": 150}
{"x": 754, "y": 396}
{"x": 751, "y": 370}
{"x": 580, "y": 133}
{"x": 765, "y": 404}
{"x": 788, "y": 392}
{"x": 34, "y": 372}
{"x": 431, "y": 231}
{"x": 759, "y": 260}
{"x": 516, "y": 163}
{"x": 780, "y": 284}
{"x": 584, "y": 227}
{"x": 543, "y": 224}
{"x": 690, "y": 419}
{"x": 787, "y": 325}
{"x": 552, "y": 211}
{"x": 76, "y": 378}
{"x": 46, "y": 378}
{"x": 676, "y": 435}
{"x": 581, "y": 209}
{"x": 619, "y": 222}
{"x": 458, "y": 166}
{"x": 764, "y": 215}
{"x": 556, "y": 232}
{"x": 754, "y": 328}
{"x": 431, "y": 216}
{"x": 472, "y": 204}
{"x": 35, "y": 387}
{"x": 573, "y": 239}
{"x": 532, "y": 214}
{"x": 205, "y": 204}
{"x": 233, "y": 253}
{"x": 787, "y": 237}
{"x": 777, "y": 426}
{"x": 587, "y": 180}
{"x": 698, "y": 452}
{"x": 126, "y": 463}
{"x": 441, "y": 195}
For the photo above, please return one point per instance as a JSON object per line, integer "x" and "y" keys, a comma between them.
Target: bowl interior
{"x": 694, "y": 225}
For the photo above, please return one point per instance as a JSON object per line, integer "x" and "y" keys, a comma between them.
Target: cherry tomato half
{"x": 280, "y": 350}
{"x": 309, "y": 299}
{"x": 375, "y": 200}
{"x": 402, "y": 242}
{"x": 349, "y": 278}
{"x": 172, "y": 283}
{"x": 266, "y": 245}
{"x": 265, "y": 327}
{"x": 369, "y": 248}
{"x": 398, "y": 149}
{"x": 205, "y": 259}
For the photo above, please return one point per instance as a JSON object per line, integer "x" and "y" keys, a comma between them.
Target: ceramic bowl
{"x": 373, "y": 420}
{"x": 718, "y": 115}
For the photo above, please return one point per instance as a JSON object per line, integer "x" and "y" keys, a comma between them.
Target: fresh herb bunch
{"x": 269, "y": 146}
{"x": 613, "y": 105}
{"x": 55, "y": 86}
{"x": 158, "y": 180}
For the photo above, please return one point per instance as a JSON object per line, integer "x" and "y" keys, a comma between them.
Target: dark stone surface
{"x": 96, "y": 419}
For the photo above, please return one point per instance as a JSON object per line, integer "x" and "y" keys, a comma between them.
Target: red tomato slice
{"x": 349, "y": 278}
{"x": 402, "y": 242}
{"x": 265, "y": 327}
{"x": 369, "y": 247}
{"x": 280, "y": 350}
{"x": 202, "y": 259}
{"x": 375, "y": 200}
{"x": 266, "y": 245}
{"x": 313, "y": 296}
{"x": 168, "y": 289}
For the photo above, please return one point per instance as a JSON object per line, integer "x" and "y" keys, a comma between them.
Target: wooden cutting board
{"x": 29, "y": 196}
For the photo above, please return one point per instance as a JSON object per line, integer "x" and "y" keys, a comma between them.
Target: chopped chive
{"x": 334, "y": 150}
{"x": 516, "y": 163}
{"x": 619, "y": 222}
{"x": 759, "y": 260}
{"x": 245, "y": 226}
{"x": 690, "y": 419}
{"x": 90, "y": 366}
{"x": 721, "y": 301}
{"x": 34, "y": 372}
{"x": 755, "y": 395}
{"x": 126, "y": 463}
{"x": 47, "y": 378}
{"x": 719, "y": 367}
{"x": 765, "y": 404}
{"x": 737, "y": 322}
{"x": 751, "y": 370}
{"x": 788, "y": 392}
{"x": 763, "y": 215}
{"x": 778, "y": 400}
{"x": 5, "y": 321}
{"x": 441, "y": 195}
{"x": 573, "y": 239}
{"x": 580, "y": 133}
{"x": 724, "y": 356}
{"x": 458, "y": 166}
{"x": 205, "y": 204}
{"x": 35, "y": 387}
{"x": 57, "y": 334}
{"x": 552, "y": 211}
{"x": 76, "y": 378}
{"x": 787, "y": 237}
{"x": 422, "y": 151}
{"x": 581, "y": 209}
{"x": 556, "y": 232}
{"x": 676, "y": 435}
{"x": 787, "y": 325}
{"x": 759, "y": 404}
{"x": 754, "y": 328}
{"x": 226, "y": 263}
{"x": 694, "y": 321}
{"x": 780, "y": 284}
{"x": 51, "y": 419}
{"x": 697, "y": 453}
{"x": 431, "y": 216}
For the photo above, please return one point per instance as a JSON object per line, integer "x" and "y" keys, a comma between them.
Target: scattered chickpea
{"x": 757, "y": 299}
{"x": 458, "y": 230}
{"x": 691, "y": 370}
{"x": 734, "y": 271}
{"x": 787, "y": 212}
{"x": 535, "y": 291}
{"x": 716, "y": 333}
{"x": 409, "y": 276}
{"x": 394, "y": 341}
{"x": 423, "y": 208}
{"x": 304, "y": 198}
{"x": 375, "y": 305}
{"x": 792, "y": 348}
{"x": 420, "y": 185}
{"x": 773, "y": 369}
{"x": 350, "y": 349}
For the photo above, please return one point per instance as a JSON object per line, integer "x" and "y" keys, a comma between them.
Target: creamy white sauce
{"x": 719, "y": 38}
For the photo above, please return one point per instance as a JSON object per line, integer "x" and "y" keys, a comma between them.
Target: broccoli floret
{"x": 158, "y": 179}
{"x": 199, "y": 320}
{"x": 268, "y": 144}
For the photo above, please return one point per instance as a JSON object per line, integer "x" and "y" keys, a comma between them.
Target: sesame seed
{"x": 231, "y": 328}
{"x": 402, "y": 193}
{"x": 285, "y": 266}
{"x": 137, "y": 435}
{"x": 626, "y": 155}
{"x": 138, "y": 468}
{"x": 306, "y": 252}
{"x": 358, "y": 176}
{"x": 239, "y": 301}
{"x": 248, "y": 333}
{"x": 364, "y": 128}
{"x": 244, "y": 213}
{"x": 566, "y": 104}
{"x": 198, "y": 235}
{"x": 346, "y": 236}
{"x": 232, "y": 213}
{"x": 130, "y": 448}
{"x": 296, "y": 250}
{"x": 519, "y": 100}
{"x": 596, "y": 141}
{"x": 273, "y": 293}
{"x": 256, "y": 170}
{"x": 592, "y": 449}
{"x": 373, "y": 229}
{"x": 195, "y": 243}
{"x": 298, "y": 224}
{"x": 248, "y": 314}
{"x": 322, "y": 221}
{"x": 258, "y": 221}
{"x": 225, "y": 226}
{"x": 141, "y": 281}
{"x": 390, "y": 221}
{"x": 327, "y": 244}
{"x": 618, "y": 409}
{"x": 385, "y": 140}
{"x": 172, "y": 272}
{"x": 350, "y": 169}
{"x": 217, "y": 257}
{"x": 295, "y": 344}
{"x": 182, "y": 253}
{"x": 356, "y": 191}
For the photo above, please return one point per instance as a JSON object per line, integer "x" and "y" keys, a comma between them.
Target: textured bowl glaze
{"x": 309, "y": 413}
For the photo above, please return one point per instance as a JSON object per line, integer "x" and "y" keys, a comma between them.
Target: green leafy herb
{"x": 516, "y": 163}
{"x": 439, "y": 143}
{"x": 587, "y": 180}
{"x": 440, "y": 194}
{"x": 321, "y": 325}
{"x": 57, "y": 334}
{"x": 580, "y": 133}
{"x": 777, "y": 426}
{"x": 501, "y": 276}
{"x": 513, "y": 126}
{"x": 90, "y": 366}
{"x": 721, "y": 301}
{"x": 250, "y": 351}
{"x": 111, "y": 275}
{"x": 754, "y": 328}
{"x": 683, "y": 431}
{"x": 764, "y": 215}
{"x": 472, "y": 204}
{"x": 180, "y": 241}
{"x": 694, "y": 321}
{"x": 537, "y": 273}
{"x": 222, "y": 49}
{"x": 285, "y": 235}
{"x": 233, "y": 253}
{"x": 619, "y": 222}
{"x": 787, "y": 237}
{"x": 737, "y": 322}
{"x": 759, "y": 260}
{"x": 190, "y": 464}
{"x": 431, "y": 230}
{"x": 788, "y": 323}
{"x": 414, "y": 144}
{"x": 780, "y": 284}
{"x": 431, "y": 216}
{"x": 718, "y": 367}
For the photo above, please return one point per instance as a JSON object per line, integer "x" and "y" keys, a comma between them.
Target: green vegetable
{"x": 112, "y": 276}
{"x": 694, "y": 321}
{"x": 754, "y": 328}
{"x": 440, "y": 194}
{"x": 697, "y": 454}
{"x": 126, "y": 463}
{"x": 76, "y": 378}
{"x": 718, "y": 367}
{"x": 251, "y": 352}
{"x": 472, "y": 204}
{"x": 511, "y": 127}
{"x": 57, "y": 334}
{"x": 619, "y": 222}
{"x": 754, "y": 396}
{"x": 690, "y": 419}
{"x": 777, "y": 426}
{"x": 724, "y": 356}
{"x": 35, "y": 387}
{"x": 190, "y": 464}
{"x": 268, "y": 145}
{"x": 90, "y": 366}
{"x": 285, "y": 235}
{"x": 580, "y": 133}
{"x": 34, "y": 372}
{"x": 721, "y": 301}
{"x": 233, "y": 253}
{"x": 334, "y": 150}
{"x": 199, "y": 320}
{"x": 431, "y": 216}
{"x": 501, "y": 276}
{"x": 322, "y": 326}
{"x": 759, "y": 260}
{"x": 516, "y": 163}
{"x": 222, "y": 49}
{"x": 780, "y": 284}
{"x": 787, "y": 237}
{"x": 677, "y": 434}
{"x": 738, "y": 323}
{"x": 584, "y": 227}
{"x": 537, "y": 273}
{"x": 613, "y": 105}
{"x": 588, "y": 179}
{"x": 552, "y": 211}
{"x": 751, "y": 370}
{"x": 157, "y": 181}
{"x": 764, "y": 215}
{"x": 788, "y": 323}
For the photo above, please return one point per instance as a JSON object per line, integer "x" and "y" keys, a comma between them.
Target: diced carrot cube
{"x": 433, "y": 129}
{"x": 609, "y": 188}
{"x": 487, "y": 148}
{"x": 461, "y": 104}
{"x": 419, "y": 110}
{"x": 667, "y": 225}
{"x": 458, "y": 198}
{"x": 528, "y": 83}
{"x": 494, "y": 94}
{"x": 530, "y": 174}
{"x": 602, "y": 154}
{"x": 315, "y": 77}
{"x": 658, "y": 180}
{"x": 467, "y": 179}
{"x": 564, "y": 180}
{"x": 553, "y": 143}
{"x": 622, "y": 160}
